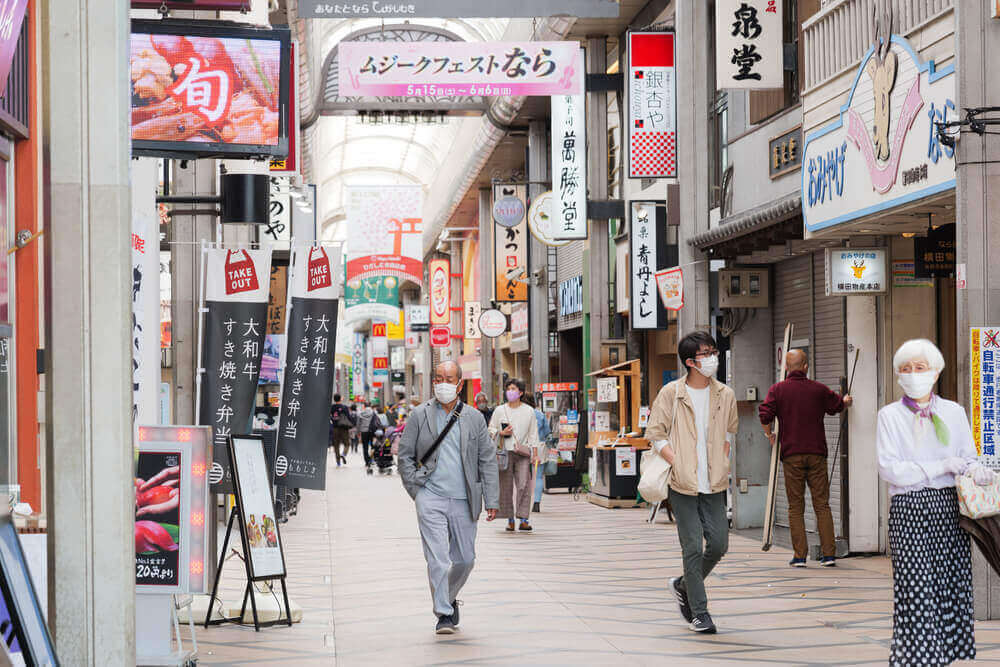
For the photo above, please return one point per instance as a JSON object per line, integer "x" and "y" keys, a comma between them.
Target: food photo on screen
{"x": 157, "y": 517}
{"x": 211, "y": 90}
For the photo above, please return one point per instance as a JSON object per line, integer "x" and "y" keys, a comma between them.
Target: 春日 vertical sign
{"x": 652, "y": 105}
{"x": 569, "y": 167}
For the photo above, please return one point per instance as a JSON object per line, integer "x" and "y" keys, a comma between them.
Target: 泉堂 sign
{"x": 883, "y": 150}
{"x": 749, "y": 44}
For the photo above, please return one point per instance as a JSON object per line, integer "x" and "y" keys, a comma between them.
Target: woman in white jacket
{"x": 923, "y": 442}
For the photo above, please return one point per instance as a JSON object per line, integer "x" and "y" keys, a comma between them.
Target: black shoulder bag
{"x": 447, "y": 427}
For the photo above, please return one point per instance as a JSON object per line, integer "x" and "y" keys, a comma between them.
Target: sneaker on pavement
{"x": 536, "y": 507}
{"x": 510, "y": 525}
{"x": 703, "y": 623}
{"x": 682, "y": 599}
{"x": 797, "y": 562}
{"x": 524, "y": 525}
{"x": 828, "y": 561}
{"x": 445, "y": 626}
{"x": 454, "y": 614}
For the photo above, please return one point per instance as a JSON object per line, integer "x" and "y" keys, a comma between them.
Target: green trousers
{"x": 703, "y": 531}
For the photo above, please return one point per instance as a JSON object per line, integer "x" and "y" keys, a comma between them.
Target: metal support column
{"x": 88, "y": 279}
{"x": 596, "y": 274}
{"x": 538, "y": 291}
{"x": 486, "y": 285}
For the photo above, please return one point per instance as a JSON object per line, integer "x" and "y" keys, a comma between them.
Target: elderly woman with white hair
{"x": 923, "y": 442}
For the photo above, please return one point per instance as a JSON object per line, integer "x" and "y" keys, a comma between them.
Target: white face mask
{"x": 917, "y": 385}
{"x": 709, "y": 366}
{"x": 445, "y": 392}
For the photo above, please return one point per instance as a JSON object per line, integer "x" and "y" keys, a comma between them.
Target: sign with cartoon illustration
{"x": 884, "y": 149}
{"x": 855, "y": 271}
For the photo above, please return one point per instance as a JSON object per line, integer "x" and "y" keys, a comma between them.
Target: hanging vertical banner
{"x": 145, "y": 293}
{"x": 358, "y": 366}
{"x": 569, "y": 167}
{"x": 510, "y": 247}
{"x": 384, "y": 229}
{"x": 652, "y": 106}
{"x": 440, "y": 292}
{"x": 748, "y": 44}
{"x": 984, "y": 364}
{"x": 648, "y": 249}
{"x": 307, "y": 386}
{"x": 232, "y": 340}
{"x": 670, "y": 285}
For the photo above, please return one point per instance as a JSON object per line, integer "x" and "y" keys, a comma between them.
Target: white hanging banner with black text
{"x": 650, "y": 251}
{"x": 307, "y": 380}
{"x": 749, "y": 49}
{"x": 233, "y": 327}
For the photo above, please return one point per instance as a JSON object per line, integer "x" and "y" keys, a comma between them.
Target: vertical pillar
{"x": 85, "y": 92}
{"x": 596, "y": 274}
{"x": 977, "y": 202}
{"x": 694, "y": 55}
{"x": 486, "y": 284}
{"x": 538, "y": 299}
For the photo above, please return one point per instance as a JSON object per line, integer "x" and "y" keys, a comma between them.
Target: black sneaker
{"x": 828, "y": 561}
{"x": 703, "y": 623}
{"x": 445, "y": 626}
{"x": 536, "y": 508}
{"x": 797, "y": 562}
{"x": 682, "y": 598}
{"x": 454, "y": 614}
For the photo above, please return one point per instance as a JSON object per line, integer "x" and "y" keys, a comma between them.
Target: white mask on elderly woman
{"x": 917, "y": 385}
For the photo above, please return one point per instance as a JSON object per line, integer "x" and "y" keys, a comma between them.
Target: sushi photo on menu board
{"x": 256, "y": 507}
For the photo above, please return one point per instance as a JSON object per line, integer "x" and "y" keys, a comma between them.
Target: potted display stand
{"x": 615, "y": 468}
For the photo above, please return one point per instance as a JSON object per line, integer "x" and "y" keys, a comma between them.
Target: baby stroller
{"x": 385, "y": 449}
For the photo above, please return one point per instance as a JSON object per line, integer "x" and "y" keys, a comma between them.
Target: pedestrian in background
{"x": 923, "y": 442}
{"x": 517, "y": 430}
{"x": 341, "y": 422}
{"x": 544, "y": 431}
{"x": 366, "y": 429}
{"x": 448, "y": 465}
{"x": 692, "y": 423}
{"x": 799, "y": 404}
{"x": 355, "y": 439}
{"x": 483, "y": 405}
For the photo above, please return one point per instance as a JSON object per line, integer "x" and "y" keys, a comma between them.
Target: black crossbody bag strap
{"x": 447, "y": 427}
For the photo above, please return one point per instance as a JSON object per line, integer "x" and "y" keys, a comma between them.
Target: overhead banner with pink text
{"x": 384, "y": 229}
{"x": 447, "y": 69}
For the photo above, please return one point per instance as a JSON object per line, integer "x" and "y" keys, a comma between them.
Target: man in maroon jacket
{"x": 800, "y": 404}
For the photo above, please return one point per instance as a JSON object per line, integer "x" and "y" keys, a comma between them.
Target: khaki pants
{"x": 515, "y": 479}
{"x": 799, "y": 470}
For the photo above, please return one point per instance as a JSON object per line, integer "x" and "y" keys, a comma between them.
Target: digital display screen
{"x": 212, "y": 94}
{"x": 157, "y": 518}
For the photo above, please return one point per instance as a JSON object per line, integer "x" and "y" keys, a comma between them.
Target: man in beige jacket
{"x": 691, "y": 425}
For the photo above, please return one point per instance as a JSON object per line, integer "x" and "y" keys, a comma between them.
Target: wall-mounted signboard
{"x": 209, "y": 88}
{"x": 459, "y": 9}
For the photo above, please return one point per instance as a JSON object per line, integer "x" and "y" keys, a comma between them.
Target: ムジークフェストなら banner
{"x": 307, "y": 386}
{"x": 384, "y": 229}
{"x": 232, "y": 342}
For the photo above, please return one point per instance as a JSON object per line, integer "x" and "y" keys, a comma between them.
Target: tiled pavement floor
{"x": 588, "y": 587}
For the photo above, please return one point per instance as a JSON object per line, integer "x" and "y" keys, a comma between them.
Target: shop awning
{"x": 756, "y": 229}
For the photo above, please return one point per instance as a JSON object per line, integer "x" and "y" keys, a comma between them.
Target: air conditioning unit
{"x": 744, "y": 288}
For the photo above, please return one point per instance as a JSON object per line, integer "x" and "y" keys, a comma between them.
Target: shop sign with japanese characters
{"x": 670, "y": 285}
{"x": 463, "y": 9}
{"x": 883, "y": 150}
{"x": 934, "y": 255}
{"x": 542, "y": 223}
{"x": 784, "y": 153}
{"x": 492, "y": 323}
{"x": 519, "y": 327}
{"x": 440, "y": 292}
{"x": 233, "y": 330}
{"x": 855, "y": 271}
{"x": 307, "y": 387}
{"x": 508, "y": 207}
{"x": 358, "y": 366}
{"x": 648, "y": 251}
{"x": 652, "y": 105}
{"x": 384, "y": 228}
{"x": 473, "y": 309}
{"x": 460, "y": 69}
{"x": 748, "y": 44}
{"x": 510, "y": 248}
{"x": 984, "y": 364}
{"x": 418, "y": 318}
{"x": 569, "y": 167}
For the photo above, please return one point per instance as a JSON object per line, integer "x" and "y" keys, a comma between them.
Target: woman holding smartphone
{"x": 516, "y": 427}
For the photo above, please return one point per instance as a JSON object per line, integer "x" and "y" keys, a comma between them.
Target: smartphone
{"x": 503, "y": 426}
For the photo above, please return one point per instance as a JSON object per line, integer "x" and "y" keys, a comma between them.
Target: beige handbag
{"x": 977, "y": 502}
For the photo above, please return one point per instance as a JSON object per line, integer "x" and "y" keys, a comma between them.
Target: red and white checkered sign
{"x": 652, "y": 108}
{"x": 653, "y": 154}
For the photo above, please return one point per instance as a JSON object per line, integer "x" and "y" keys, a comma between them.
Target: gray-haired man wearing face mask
{"x": 448, "y": 465}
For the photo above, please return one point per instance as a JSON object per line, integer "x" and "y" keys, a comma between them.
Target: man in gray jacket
{"x": 449, "y": 483}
